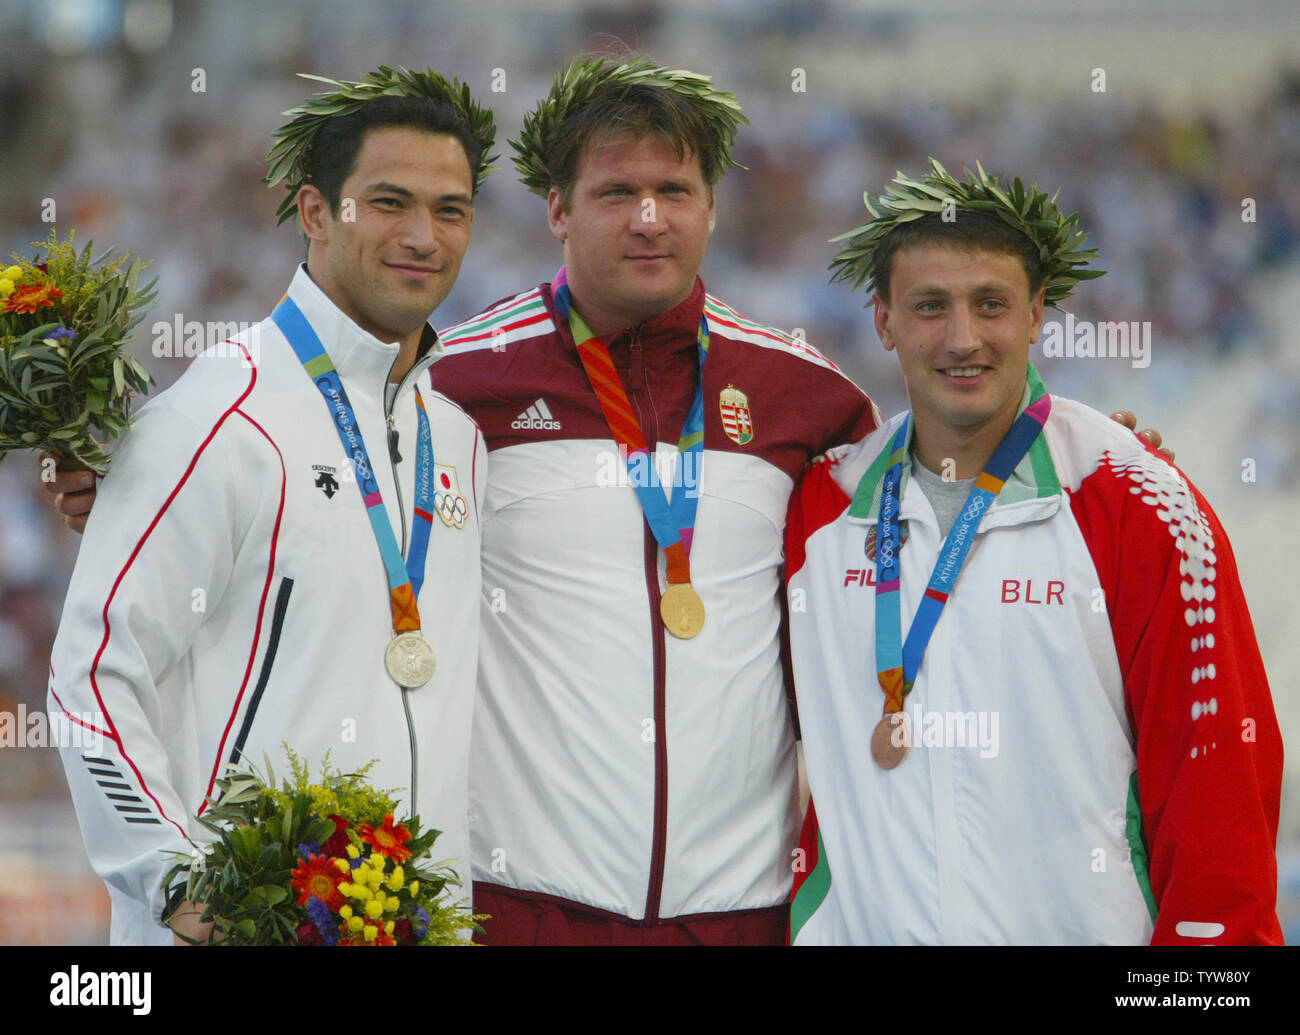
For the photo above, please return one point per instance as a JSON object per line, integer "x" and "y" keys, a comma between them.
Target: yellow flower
{"x": 345, "y": 888}
{"x": 355, "y": 923}
{"x": 373, "y": 877}
{"x": 6, "y": 287}
{"x": 360, "y": 891}
{"x": 391, "y": 903}
{"x": 374, "y": 908}
{"x": 413, "y": 887}
{"x": 346, "y": 912}
{"x": 342, "y": 865}
{"x": 14, "y": 273}
{"x": 388, "y": 928}
{"x": 354, "y": 852}
{"x": 396, "y": 879}
{"x": 371, "y": 934}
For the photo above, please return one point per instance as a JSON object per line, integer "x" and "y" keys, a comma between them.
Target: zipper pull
{"x": 392, "y": 440}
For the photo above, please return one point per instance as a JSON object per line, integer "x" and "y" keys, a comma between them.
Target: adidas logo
{"x": 536, "y": 418}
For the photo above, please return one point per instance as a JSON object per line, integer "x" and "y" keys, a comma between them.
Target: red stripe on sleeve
{"x": 94, "y": 668}
{"x": 261, "y": 609}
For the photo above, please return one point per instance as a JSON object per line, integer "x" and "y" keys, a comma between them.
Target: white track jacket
{"x": 1095, "y": 757}
{"x": 230, "y": 597}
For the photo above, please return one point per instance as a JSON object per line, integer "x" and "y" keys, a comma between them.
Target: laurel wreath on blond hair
{"x": 578, "y": 82}
{"x": 289, "y": 157}
{"x": 1059, "y": 240}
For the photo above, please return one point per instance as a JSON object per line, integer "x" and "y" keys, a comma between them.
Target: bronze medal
{"x": 890, "y": 740}
{"x": 410, "y": 660}
{"x": 682, "y": 610}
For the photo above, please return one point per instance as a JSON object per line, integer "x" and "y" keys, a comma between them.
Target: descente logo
{"x": 94, "y": 988}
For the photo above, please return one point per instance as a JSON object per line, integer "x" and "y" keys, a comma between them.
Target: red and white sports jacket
{"x": 230, "y": 596}
{"x": 614, "y": 766}
{"x": 1095, "y": 756}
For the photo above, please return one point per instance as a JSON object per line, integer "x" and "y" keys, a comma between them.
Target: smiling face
{"x": 635, "y": 230}
{"x": 393, "y": 264}
{"x": 962, "y": 321}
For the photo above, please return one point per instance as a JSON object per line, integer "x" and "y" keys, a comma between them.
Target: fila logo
{"x": 860, "y": 577}
{"x": 1011, "y": 593}
{"x": 536, "y": 418}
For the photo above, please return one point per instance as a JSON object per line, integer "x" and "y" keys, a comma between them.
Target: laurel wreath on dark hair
{"x": 288, "y": 157}
{"x": 578, "y": 82}
{"x": 1059, "y": 240}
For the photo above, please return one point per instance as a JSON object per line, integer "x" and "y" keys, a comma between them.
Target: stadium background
{"x": 1201, "y": 110}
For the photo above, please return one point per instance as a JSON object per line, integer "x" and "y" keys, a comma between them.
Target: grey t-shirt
{"x": 946, "y": 497}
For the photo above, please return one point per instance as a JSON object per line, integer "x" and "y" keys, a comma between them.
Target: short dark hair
{"x": 640, "y": 111}
{"x": 333, "y": 153}
{"x": 970, "y": 229}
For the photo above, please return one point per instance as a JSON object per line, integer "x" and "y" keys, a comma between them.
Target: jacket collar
{"x": 1031, "y": 493}
{"x": 671, "y": 331}
{"x": 359, "y": 357}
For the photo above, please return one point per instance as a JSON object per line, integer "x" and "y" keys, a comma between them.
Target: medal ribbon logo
{"x": 673, "y": 524}
{"x": 404, "y": 577}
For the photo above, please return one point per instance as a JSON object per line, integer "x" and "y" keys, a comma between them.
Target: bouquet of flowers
{"x": 64, "y": 320}
{"x": 316, "y": 864}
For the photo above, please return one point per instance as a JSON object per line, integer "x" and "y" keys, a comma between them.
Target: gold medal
{"x": 410, "y": 660}
{"x": 890, "y": 740}
{"x": 682, "y": 610}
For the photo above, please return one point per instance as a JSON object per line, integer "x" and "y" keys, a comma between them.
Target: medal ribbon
{"x": 404, "y": 577}
{"x": 673, "y": 525}
{"x": 896, "y": 662}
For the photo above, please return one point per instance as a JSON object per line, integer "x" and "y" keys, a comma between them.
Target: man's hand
{"x": 73, "y": 491}
{"x": 188, "y": 929}
{"x": 1130, "y": 421}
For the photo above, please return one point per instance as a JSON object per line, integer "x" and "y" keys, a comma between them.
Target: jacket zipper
{"x": 654, "y": 891}
{"x": 268, "y": 661}
{"x": 401, "y": 513}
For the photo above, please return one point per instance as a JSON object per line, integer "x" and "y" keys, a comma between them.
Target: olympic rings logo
{"x": 453, "y": 509}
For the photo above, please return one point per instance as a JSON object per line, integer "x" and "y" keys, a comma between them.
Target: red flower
{"x": 388, "y": 840}
{"x": 317, "y": 878}
{"x": 360, "y": 939}
{"x": 308, "y": 935}
{"x": 338, "y": 843}
{"x": 404, "y": 933}
{"x": 30, "y": 297}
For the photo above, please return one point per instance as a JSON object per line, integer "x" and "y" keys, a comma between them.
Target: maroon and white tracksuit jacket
{"x": 622, "y": 779}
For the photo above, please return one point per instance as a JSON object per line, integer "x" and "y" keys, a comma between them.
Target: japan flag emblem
{"x": 448, "y": 501}
{"x": 737, "y": 421}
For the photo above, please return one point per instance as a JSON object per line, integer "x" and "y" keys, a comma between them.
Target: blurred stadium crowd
{"x": 105, "y": 119}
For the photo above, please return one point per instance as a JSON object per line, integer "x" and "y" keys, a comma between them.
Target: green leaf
{"x": 274, "y": 894}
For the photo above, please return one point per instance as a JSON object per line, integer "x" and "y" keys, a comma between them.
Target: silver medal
{"x": 410, "y": 660}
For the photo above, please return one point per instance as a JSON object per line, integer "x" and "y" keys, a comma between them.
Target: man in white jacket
{"x": 242, "y": 584}
{"x": 1032, "y": 703}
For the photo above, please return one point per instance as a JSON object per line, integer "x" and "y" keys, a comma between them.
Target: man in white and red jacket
{"x": 1084, "y": 750}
